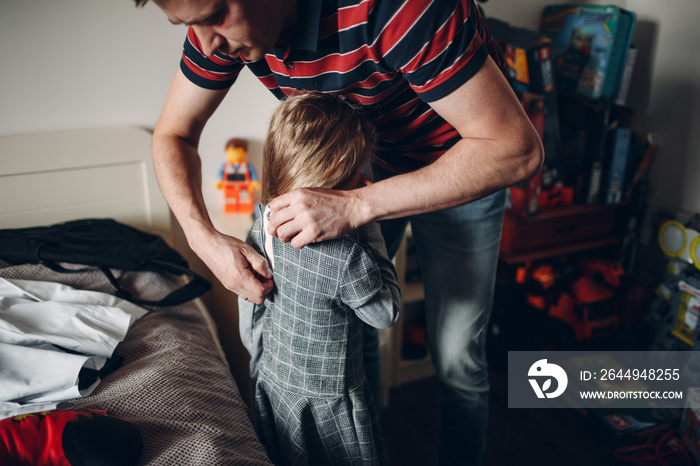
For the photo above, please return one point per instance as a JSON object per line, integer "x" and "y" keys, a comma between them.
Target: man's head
{"x": 237, "y": 28}
{"x": 315, "y": 140}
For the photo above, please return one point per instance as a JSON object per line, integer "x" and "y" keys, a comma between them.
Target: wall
{"x": 81, "y": 63}
{"x": 665, "y": 90}
{"x": 85, "y": 63}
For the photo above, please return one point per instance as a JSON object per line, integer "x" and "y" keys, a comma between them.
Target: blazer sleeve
{"x": 370, "y": 286}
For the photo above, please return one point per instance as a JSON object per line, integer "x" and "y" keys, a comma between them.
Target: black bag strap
{"x": 196, "y": 287}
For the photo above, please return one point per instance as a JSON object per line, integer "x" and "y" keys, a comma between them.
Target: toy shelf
{"x": 558, "y": 231}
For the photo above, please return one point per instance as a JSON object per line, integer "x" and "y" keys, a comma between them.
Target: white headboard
{"x": 48, "y": 178}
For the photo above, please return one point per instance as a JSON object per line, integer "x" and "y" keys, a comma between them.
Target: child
{"x": 313, "y": 401}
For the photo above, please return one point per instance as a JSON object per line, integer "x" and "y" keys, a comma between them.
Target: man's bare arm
{"x": 499, "y": 148}
{"x": 178, "y": 168}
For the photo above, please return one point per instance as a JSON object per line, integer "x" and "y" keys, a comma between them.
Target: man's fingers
{"x": 267, "y": 287}
{"x": 291, "y": 212}
{"x": 307, "y": 236}
{"x": 252, "y": 289}
{"x": 288, "y": 222}
{"x": 256, "y": 279}
{"x": 288, "y": 231}
{"x": 259, "y": 265}
{"x": 280, "y": 214}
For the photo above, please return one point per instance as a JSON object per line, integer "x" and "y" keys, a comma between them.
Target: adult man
{"x": 449, "y": 128}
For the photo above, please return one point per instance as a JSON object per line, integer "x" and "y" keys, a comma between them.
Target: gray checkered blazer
{"x": 313, "y": 401}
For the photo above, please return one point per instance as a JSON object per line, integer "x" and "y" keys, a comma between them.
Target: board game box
{"x": 590, "y": 44}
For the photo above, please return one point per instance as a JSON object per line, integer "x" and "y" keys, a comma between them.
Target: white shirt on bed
{"x": 36, "y": 318}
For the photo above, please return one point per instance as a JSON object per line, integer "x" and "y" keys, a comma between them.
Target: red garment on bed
{"x": 35, "y": 438}
{"x": 68, "y": 438}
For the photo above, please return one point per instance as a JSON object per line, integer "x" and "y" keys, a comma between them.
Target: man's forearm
{"x": 471, "y": 170}
{"x": 175, "y": 139}
{"x": 178, "y": 168}
{"x": 499, "y": 147}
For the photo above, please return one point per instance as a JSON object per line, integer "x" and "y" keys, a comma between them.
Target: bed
{"x": 174, "y": 384}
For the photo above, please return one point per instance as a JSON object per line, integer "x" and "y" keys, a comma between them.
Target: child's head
{"x": 314, "y": 140}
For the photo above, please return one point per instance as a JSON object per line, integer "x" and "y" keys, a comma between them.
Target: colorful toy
{"x": 238, "y": 179}
{"x": 580, "y": 294}
{"x": 589, "y": 308}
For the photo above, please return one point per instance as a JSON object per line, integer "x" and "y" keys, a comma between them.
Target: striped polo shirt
{"x": 391, "y": 56}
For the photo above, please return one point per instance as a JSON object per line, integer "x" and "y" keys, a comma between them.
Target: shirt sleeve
{"x": 216, "y": 72}
{"x": 436, "y": 44}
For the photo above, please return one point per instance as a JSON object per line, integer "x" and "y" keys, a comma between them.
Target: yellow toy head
{"x": 236, "y": 150}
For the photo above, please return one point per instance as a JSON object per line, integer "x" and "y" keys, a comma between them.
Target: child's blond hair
{"x": 314, "y": 140}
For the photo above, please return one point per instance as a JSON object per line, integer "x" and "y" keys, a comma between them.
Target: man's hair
{"x": 314, "y": 140}
{"x": 140, "y": 2}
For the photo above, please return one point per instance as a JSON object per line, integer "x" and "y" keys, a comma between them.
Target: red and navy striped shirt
{"x": 391, "y": 56}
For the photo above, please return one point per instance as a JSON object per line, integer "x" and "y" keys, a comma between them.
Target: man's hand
{"x": 310, "y": 215}
{"x": 179, "y": 169}
{"x": 237, "y": 266}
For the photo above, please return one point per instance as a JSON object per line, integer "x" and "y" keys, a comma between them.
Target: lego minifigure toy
{"x": 238, "y": 179}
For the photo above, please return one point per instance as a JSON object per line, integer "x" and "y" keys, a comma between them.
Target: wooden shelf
{"x": 543, "y": 253}
{"x": 558, "y": 231}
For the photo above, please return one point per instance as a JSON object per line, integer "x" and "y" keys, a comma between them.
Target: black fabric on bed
{"x": 104, "y": 243}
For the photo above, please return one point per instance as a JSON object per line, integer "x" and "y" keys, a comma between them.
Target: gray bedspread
{"x": 174, "y": 384}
